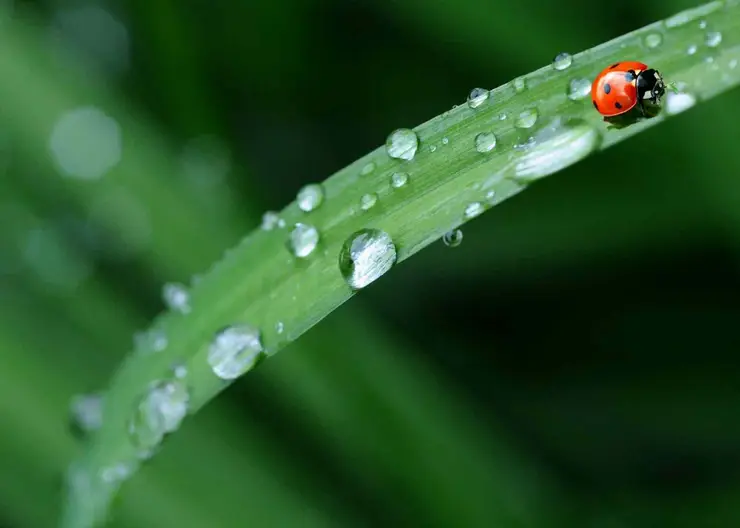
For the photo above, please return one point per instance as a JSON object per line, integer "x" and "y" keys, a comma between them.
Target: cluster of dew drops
{"x": 365, "y": 256}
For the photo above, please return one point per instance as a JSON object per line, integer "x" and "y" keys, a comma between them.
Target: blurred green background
{"x": 572, "y": 363}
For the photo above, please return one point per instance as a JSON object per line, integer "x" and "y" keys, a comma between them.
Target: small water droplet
{"x": 490, "y": 196}
{"x": 526, "y": 118}
{"x": 578, "y": 89}
{"x": 678, "y": 102}
{"x": 653, "y": 40}
{"x": 234, "y": 351}
{"x": 159, "y": 412}
{"x": 691, "y": 49}
{"x": 402, "y": 144}
{"x": 280, "y": 327}
{"x": 453, "y": 238}
{"x": 154, "y": 340}
{"x": 180, "y": 370}
{"x": 485, "y": 142}
{"x": 176, "y": 297}
{"x": 367, "y": 169}
{"x": 399, "y": 179}
{"x": 117, "y": 473}
{"x": 520, "y": 84}
{"x": 368, "y": 201}
{"x": 86, "y": 412}
{"x": 562, "y": 61}
{"x": 473, "y": 209}
{"x": 477, "y": 97}
{"x": 432, "y": 148}
{"x": 702, "y": 24}
{"x": 502, "y": 116}
{"x": 445, "y": 140}
{"x": 525, "y": 145}
{"x": 713, "y": 39}
{"x": 366, "y": 256}
{"x": 270, "y": 220}
{"x": 302, "y": 240}
{"x": 310, "y": 197}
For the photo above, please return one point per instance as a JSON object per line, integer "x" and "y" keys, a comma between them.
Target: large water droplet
{"x": 302, "y": 240}
{"x": 271, "y": 220}
{"x": 402, "y": 144}
{"x": 366, "y": 256}
{"x": 678, "y": 102}
{"x": 86, "y": 412}
{"x": 453, "y": 238}
{"x": 557, "y": 146}
{"x": 368, "y": 201}
{"x": 473, "y": 209}
{"x": 578, "y": 89}
{"x": 653, "y": 40}
{"x": 399, "y": 179}
{"x": 713, "y": 39}
{"x": 477, "y": 97}
{"x": 159, "y": 412}
{"x": 527, "y": 118}
{"x": 485, "y": 142}
{"x": 176, "y": 297}
{"x": 562, "y": 61}
{"x": 310, "y": 197}
{"x": 234, "y": 351}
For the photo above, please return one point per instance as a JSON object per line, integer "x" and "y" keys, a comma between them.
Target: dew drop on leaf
{"x": 366, "y": 256}
{"x": 303, "y": 240}
{"x": 310, "y": 197}
{"x": 453, "y": 238}
{"x": 159, "y": 412}
{"x": 562, "y": 61}
{"x": 176, "y": 297}
{"x": 477, "y": 97}
{"x": 402, "y": 144}
{"x": 234, "y": 351}
{"x": 485, "y": 142}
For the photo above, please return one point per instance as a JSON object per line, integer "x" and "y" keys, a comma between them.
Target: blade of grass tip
{"x": 342, "y": 235}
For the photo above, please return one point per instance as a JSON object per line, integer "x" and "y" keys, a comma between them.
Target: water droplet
{"x": 678, "y": 102}
{"x": 477, "y": 97}
{"x": 270, "y": 220}
{"x": 399, "y": 179}
{"x": 234, "y": 351}
{"x": 557, "y": 146}
{"x": 367, "y": 169}
{"x": 578, "y": 89}
{"x": 732, "y": 64}
{"x": 402, "y": 144}
{"x": 180, "y": 370}
{"x": 368, "y": 201}
{"x": 502, "y": 116}
{"x": 160, "y": 411}
{"x": 280, "y": 327}
{"x": 176, "y": 297}
{"x": 310, "y": 197}
{"x": 562, "y": 61}
{"x": 86, "y": 412}
{"x": 117, "y": 473}
{"x": 520, "y": 84}
{"x": 453, "y": 238}
{"x": 653, "y": 40}
{"x": 526, "y": 144}
{"x": 432, "y": 148}
{"x": 702, "y": 24}
{"x": 485, "y": 142}
{"x": 691, "y": 49}
{"x": 713, "y": 39}
{"x": 303, "y": 240}
{"x": 154, "y": 340}
{"x": 490, "y": 196}
{"x": 526, "y": 118}
{"x": 366, "y": 256}
{"x": 445, "y": 140}
{"x": 473, "y": 209}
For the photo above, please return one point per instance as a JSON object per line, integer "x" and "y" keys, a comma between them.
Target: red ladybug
{"x": 623, "y": 85}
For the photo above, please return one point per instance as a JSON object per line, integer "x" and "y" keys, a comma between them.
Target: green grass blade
{"x": 262, "y": 284}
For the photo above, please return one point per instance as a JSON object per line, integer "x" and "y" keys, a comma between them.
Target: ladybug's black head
{"x": 650, "y": 85}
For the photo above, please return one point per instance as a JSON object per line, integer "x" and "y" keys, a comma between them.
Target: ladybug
{"x": 621, "y": 86}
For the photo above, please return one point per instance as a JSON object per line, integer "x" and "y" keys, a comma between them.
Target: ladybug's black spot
{"x": 614, "y": 65}
{"x": 607, "y": 88}
{"x": 618, "y": 105}
{"x": 629, "y": 76}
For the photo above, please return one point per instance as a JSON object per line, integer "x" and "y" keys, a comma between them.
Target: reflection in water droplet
{"x": 302, "y": 240}
{"x": 310, "y": 197}
{"x": 678, "y": 102}
{"x": 368, "y": 201}
{"x": 562, "y": 61}
{"x": 176, "y": 297}
{"x": 234, "y": 351}
{"x": 713, "y": 39}
{"x": 473, "y": 209}
{"x": 477, "y": 97}
{"x": 402, "y": 144}
{"x": 578, "y": 89}
{"x": 367, "y": 169}
{"x": 526, "y": 118}
{"x": 160, "y": 411}
{"x": 270, "y": 220}
{"x": 86, "y": 143}
{"x": 86, "y": 412}
{"x": 653, "y": 40}
{"x": 453, "y": 238}
{"x": 485, "y": 142}
{"x": 399, "y": 179}
{"x": 366, "y": 256}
